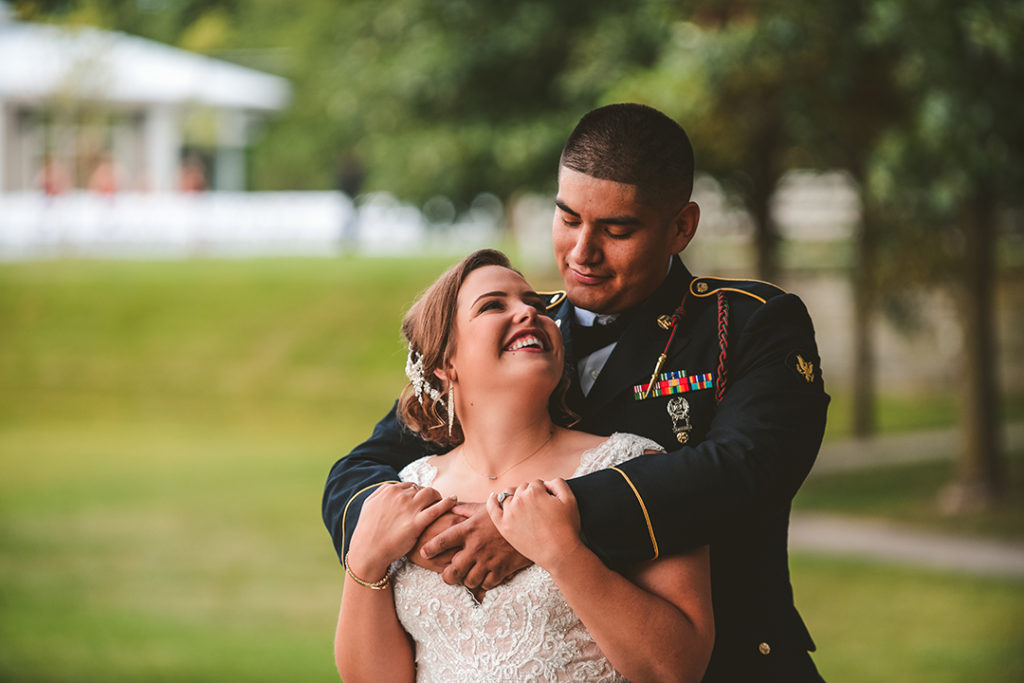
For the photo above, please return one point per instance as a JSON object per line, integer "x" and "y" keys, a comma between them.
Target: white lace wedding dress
{"x": 523, "y": 630}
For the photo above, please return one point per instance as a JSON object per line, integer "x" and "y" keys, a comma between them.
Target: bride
{"x": 486, "y": 372}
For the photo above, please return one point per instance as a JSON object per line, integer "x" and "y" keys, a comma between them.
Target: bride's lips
{"x": 525, "y": 335}
{"x": 588, "y": 278}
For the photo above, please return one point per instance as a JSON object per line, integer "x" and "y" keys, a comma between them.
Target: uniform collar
{"x": 585, "y": 318}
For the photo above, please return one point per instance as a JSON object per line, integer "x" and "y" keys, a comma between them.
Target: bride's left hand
{"x": 540, "y": 520}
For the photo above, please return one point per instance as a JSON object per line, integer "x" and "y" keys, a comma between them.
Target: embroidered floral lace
{"x": 523, "y": 630}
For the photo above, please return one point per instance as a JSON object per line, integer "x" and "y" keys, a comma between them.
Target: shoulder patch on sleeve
{"x": 756, "y": 289}
{"x": 552, "y": 299}
{"x": 803, "y": 364}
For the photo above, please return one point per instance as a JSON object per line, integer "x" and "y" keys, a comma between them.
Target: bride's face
{"x": 503, "y": 340}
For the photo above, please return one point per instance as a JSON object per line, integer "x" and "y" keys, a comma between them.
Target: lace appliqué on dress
{"x": 523, "y": 630}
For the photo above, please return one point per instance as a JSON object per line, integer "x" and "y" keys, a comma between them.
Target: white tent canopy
{"x": 42, "y": 61}
{"x": 148, "y": 87}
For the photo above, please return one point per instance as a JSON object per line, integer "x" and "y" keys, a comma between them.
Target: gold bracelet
{"x": 380, "y": 585}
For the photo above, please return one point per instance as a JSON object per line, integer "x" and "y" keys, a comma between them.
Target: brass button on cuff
{"x": 764, "y": 648}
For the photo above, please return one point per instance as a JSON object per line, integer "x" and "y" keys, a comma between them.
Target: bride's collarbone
{"x": 471, "y": 486}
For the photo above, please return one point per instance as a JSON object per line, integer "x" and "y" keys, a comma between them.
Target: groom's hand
{"x": 483, "y": 558}
{"x": 438, "y": 563}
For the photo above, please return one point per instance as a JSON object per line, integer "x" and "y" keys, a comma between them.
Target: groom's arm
{"x": 759, "y": 448}
{"x": 377, "y": 460}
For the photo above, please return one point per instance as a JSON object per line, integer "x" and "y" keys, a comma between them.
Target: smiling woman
{"x": 484, "y": 364}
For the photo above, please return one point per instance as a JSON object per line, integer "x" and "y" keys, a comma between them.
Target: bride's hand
{"x": 540, "y": 520}
{"x": 392, "y": 518}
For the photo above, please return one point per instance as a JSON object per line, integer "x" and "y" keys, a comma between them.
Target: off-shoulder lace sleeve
{"x": 420, "y": 471}
{"x": 615, "y": 450}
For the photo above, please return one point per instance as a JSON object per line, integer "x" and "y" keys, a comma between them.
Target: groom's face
{"x": 612, "y": 249}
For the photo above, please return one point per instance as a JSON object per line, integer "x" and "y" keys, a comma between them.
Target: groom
{"x": 725, "y": 374}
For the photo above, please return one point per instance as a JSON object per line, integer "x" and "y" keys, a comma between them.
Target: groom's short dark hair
{"x": 636, "y": 145}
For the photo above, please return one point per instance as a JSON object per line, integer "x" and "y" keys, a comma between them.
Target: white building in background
{"x": 83, "y": 107}
{"x": 106, "y": 138}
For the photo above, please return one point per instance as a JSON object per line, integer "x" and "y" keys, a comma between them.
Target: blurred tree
{"x": 447, "y": 97}
{"x": 916, "y": 98}
{"x": 768, "y": 87}
{"x": 725, "y": 75}
{"x": 946, "y": 176}
{"x": 843, "y": 99}
{"x": 165, "y": 21}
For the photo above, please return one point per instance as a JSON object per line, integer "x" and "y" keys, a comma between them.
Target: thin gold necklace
{"x": 510, "y": 467}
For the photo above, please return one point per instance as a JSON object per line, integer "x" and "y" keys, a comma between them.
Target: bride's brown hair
{"x": 428, "y": 328}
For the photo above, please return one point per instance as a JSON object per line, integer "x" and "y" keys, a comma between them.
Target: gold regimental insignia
{"x": 702, "y": 287}
{"x": 804, "y": 368}
{"x": 665, "y": 322}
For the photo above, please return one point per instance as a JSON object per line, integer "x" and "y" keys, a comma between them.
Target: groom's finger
{"x": 475, "y": 576}
{"x": 446, "y": 540}
{"x": 456, "y": 572}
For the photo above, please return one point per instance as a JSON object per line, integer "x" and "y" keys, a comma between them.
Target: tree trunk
{"x": 766, "y": 241}
{"x": 763, "y": 178}
{"x": 980, "y": 470}
{"x": 864, "y": 304}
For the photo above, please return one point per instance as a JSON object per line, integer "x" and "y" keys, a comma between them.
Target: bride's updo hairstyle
{"x": 429, "y": 328}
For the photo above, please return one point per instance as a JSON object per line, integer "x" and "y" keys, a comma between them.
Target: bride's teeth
{"x": 524, "y": 342}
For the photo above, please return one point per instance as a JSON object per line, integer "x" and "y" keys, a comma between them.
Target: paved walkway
{"x": 895, "y": 543}
{"x": 900, "y": 449}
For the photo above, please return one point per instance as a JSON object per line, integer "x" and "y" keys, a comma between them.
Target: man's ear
{"x": 684, "y": 226}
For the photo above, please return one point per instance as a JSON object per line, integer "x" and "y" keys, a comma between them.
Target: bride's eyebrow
{"x": 487, "y": 295}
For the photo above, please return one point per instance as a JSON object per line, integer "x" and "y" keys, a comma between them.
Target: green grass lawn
{"x": 132, "y": 554}
{"x": 162, "y": 552}
{"x": 165, "y": 431}
{"x": 879, "y": 623}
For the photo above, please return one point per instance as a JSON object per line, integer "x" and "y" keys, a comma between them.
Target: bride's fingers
{"x": 426, "y": 496}
{"x": 429, "y": 514}
{"x": 559, "y": 488}
{"x": 493, "y": 509}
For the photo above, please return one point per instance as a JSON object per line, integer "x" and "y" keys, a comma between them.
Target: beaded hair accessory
{"x": 414, "y": 371}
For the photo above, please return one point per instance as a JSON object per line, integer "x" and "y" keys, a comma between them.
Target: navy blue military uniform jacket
{"x": 729, "y": 486}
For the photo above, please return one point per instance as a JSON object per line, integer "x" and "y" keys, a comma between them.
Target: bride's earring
{"x": 451, "y": 407}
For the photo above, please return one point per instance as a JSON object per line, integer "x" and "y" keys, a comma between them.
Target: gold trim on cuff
{"x": 344, "y": 513}
{"x": 643, "y": 508}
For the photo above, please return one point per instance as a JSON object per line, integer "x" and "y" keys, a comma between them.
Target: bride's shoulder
{"x": 616, "y": 449}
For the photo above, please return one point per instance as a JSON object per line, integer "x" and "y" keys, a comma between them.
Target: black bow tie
{"x": 586, "y": 340}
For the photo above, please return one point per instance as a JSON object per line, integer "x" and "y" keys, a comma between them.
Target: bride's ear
{"x": 447, "y": 374}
